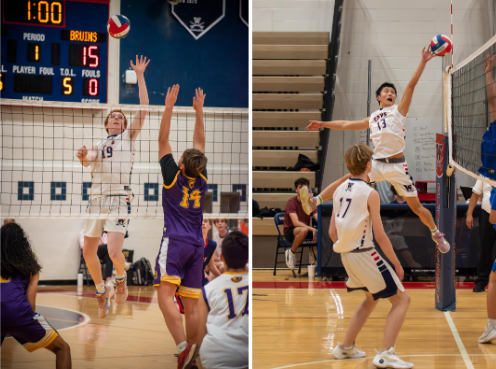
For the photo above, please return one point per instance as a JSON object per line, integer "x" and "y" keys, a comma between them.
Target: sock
{"x": 347, "y": 348}
{"x": 491, "y": 322}
{"x": 319, "y": 200}
{"x": 181, "y": 347}
{"x": 100, "y": 287}
{"x": 120, "y": 276}
{"x": 434, "y": 230}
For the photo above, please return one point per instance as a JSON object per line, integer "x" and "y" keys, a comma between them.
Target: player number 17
{"x": 231, "y": 305}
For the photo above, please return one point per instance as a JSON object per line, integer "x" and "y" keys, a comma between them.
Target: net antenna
{"x": 471, "y": 110}
{"x": 41, "y": 177}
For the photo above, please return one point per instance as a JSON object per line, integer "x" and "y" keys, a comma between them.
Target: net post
{"x": 445, "y": 218}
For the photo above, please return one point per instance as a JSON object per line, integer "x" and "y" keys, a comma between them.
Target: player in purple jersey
{"x": 180, "y": 258}
{"x": 208, "y": 260}
{"x": 19, "y": 281}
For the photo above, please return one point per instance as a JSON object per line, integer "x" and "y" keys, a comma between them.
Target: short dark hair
{"x": 235, "y": 250}
{"x": 302, "y": 181}
{"x": 385, "y": 84}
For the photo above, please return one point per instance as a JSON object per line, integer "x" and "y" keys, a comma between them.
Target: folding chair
{"x": 283, "y": 244}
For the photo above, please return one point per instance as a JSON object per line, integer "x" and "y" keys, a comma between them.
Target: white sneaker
{"x": 290, "y": 259}
{"x": 388, "y": 359}
{"x": 489, "y": 334}
{"x": 339, "y": 352}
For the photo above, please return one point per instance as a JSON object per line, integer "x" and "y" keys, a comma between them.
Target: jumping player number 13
{"x": 45, "y": 12}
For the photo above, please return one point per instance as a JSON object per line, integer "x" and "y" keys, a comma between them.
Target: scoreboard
{"x": 55, "y": 50}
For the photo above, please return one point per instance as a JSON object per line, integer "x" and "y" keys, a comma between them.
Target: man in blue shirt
{"x": 490, "y": 331}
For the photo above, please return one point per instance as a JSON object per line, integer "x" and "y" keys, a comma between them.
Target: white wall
{"x": 292, "y": 15}
{"x": 392, "y": 33}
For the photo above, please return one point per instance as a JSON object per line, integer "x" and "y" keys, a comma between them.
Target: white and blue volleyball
{"x": 440, "y": 45}
{"x": 118, "y": 26}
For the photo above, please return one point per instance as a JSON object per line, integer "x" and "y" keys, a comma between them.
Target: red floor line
{"x": 342, "y": 285}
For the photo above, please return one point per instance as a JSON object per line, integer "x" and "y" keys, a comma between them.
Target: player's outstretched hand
{"x": 141, "y": 64}
{"x": 426, "y": 54}
{"x": 314, "y": 125}
{"x": 82, "y": 153}
{"x": 199, "y": 99}
{"x": 399, "y": 271}
{"x": 171, "y": 97}
{"x": 489, "y": 63}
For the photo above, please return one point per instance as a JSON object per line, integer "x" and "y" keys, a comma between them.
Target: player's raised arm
{"x": 406, "y": 100}
{"x": 340, "y": 125}
{"x": 490, "y": 85}
{"x": 139, "y": 118}
{"x": 374, "y": 205}
{"x": 164, "y": 146}
{"x": 199, "y": 134}
{"x": 87, "y": 157}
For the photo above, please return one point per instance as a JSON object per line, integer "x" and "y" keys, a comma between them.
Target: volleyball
{"x": 118, "y": 26}
{"x": 440, "y": 45}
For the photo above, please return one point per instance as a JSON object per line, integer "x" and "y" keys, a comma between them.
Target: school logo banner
{"x": 244, "y": 12}
{"x": 199, "y": 16}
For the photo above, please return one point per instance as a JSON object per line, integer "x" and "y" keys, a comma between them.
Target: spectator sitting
{"x": 297, "y": 223}
{"x": 208, "y": 253}
{"x": 222, "y": 231}
{"x": 103, "y": 255}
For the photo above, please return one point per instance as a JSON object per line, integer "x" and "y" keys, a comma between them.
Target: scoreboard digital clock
{"x": 54, "y": 50}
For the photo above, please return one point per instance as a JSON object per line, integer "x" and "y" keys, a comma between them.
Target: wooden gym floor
{"x": 297, "y": 323}
{"x": 133, "y": 335}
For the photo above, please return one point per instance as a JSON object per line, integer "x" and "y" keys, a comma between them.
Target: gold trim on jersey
{"x": 4, "y": 280}
{"x": 193, "y": 293}
{"x": 174, "y": 279}
{"x": 50, "y": 335}
{"x": 246, "y": 272}
{"x": 174, "y": 181}
{"x": 201, "y": 175}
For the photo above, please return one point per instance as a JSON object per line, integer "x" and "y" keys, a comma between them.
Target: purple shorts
{"x": 180, "y": 263}
{"x": 34, "y": 335}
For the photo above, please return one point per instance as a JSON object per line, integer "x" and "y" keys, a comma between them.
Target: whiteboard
{"x": 420, "y": 150}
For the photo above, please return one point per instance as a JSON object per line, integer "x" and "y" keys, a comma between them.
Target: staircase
{"x": 289, "y": 71}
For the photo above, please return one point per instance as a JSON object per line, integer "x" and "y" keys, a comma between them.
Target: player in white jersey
{"x": 387, "y": 131}
{"x": 224, "y": 312}
{"x": 111, "y": 161}
{"x": 356, "y": 210}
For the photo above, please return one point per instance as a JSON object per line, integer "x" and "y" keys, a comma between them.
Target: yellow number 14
{"x": 194, "y": 196}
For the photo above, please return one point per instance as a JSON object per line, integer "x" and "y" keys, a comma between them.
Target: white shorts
{"x": 395, "y": 173}
{"x": 107, "y": 205}
{"x": 368, "y": 271}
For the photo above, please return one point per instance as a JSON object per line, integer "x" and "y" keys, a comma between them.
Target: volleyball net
{"x": 41, "y": 177}
{"x": 472, "y": 114}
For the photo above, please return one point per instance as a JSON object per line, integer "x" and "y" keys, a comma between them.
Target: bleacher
{"x": 289, "y": 70}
